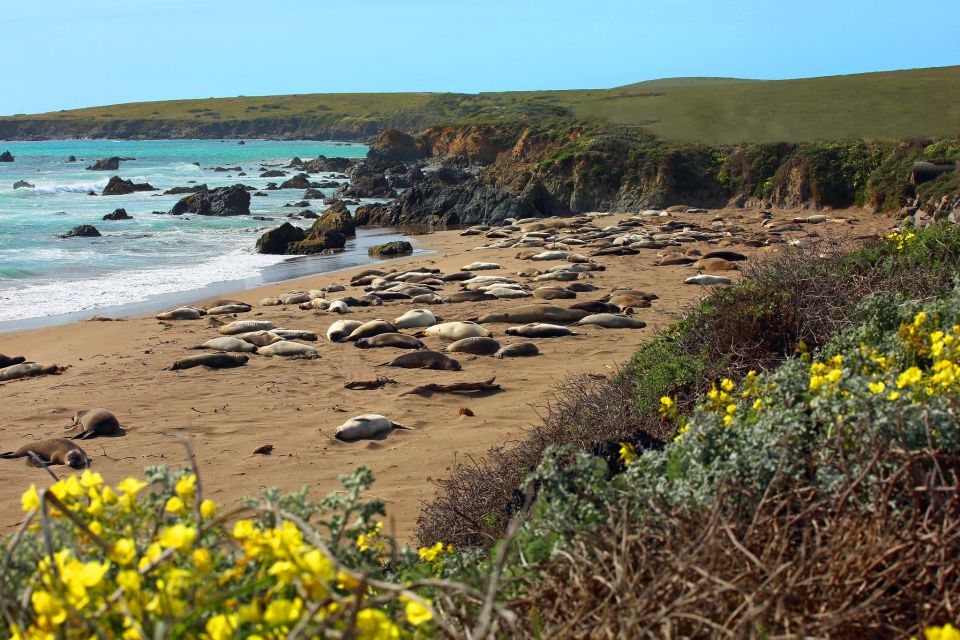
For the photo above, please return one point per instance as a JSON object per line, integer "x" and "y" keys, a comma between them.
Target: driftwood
{"x": 460, "y": 387}
{"x": 366, "y": 385}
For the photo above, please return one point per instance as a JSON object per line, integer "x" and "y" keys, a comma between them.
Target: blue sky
{"x": 59, "y": 54}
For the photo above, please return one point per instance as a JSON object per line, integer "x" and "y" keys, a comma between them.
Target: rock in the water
{"x": 118, "y": 214}
{"x": 6, "y": 156}
{"x": 72, "y": 159}
{"x": 222, "y": 201}
{"x": 336, "y": 218}
{"x": 318, "y": 243}
{"x": 23, "y": 184}
{"x": 107, "y": 164}
{"x": 120, "y": 187}
{"x": 276, "y": 240}
{"x": 273, "y": 173}
{"x": 367, "y": 183}
{"x": 299, "y": 181}
{"x": 391, "y": 249}
{"x": 176, "y": 191}
{"x": 323, "y": 164}
{"x": 82, "y": 231}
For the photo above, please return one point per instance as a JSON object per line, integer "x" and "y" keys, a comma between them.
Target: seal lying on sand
{"x": 95, "y": 422}
{"x": 370, "y": 329}
{"x": 341, "y": 329}
{"x": 27, "y": 370}
{"x": 540, "y": 330}
{"x": 9, "y": 361}
{"x": 611, "y": 321}
{"x": 396, "y": 340}
{"x": 415, "y": 319}
{"x": 53, "y": 451}
{"x": 477, "y": 346}
{"x": 181, "y": 313}
{"x": 424, "y": 360}
{"x": 535, "y": 313}
{"x": 456, "y": 331}
{"x": 366, "y": 427}
{"x": 288, "y": 349}
{"x": 518, "y": 349}
{"x": 228, "y": 343}
{"x": 245, "y": 326}
{"x": 218, "y": 360}
{"x": 259, "y": 338}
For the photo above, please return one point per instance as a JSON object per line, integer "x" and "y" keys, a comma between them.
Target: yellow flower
{"x": 208, "y": 508}
{"x": 95, "y": 508}
{"x": 249, "y": 612}
{"x": 727, "y": 420}
{"x": 202, "y": 558}
{"x": 757, "y": 404}
{"x": 946, "y": 632}
{"x": 129, "y": 580}
{"x": 109, "y": 497}
{"x": 893, "y": 395}
{"x": 628, "y": 454}
{"x": 877, "y": 387}
{"x": 179, "y": 537}
{"x": 373, "y": 624}
{"x": 96, "y": 528}
{"x": 175, "y": 505}
{"x": 131, "y": 486}
{"x": 416, "y": 613}
{"x": 913, "y": 375}
{"x": 318, "y": 564}
{"x": 30, "y": 499}
{"x": 90, "y": 479}
{"x": 283, "y": 571}
{"x": 666, "y": 402}
{"x": 431, "y": 553}
{"x": 50, "y": 611}
{"x": 920, "y": 318}
{"x": 186, "y": 486}
{"x": 727, "y": 384}
{"x": 223, "y": 626}
{"x": 282, "y": 611}
{"x": 243, "y": 529}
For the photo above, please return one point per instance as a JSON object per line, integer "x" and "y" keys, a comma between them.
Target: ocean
{"x": 153, "y": 260}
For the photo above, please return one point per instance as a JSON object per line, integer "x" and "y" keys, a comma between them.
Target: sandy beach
{"x": 296, "y": 404}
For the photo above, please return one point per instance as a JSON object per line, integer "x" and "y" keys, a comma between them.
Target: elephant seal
{"x": 181, "y": 313}
{"x": 228, "y": 343}
{"x": 424, "y": 360}
{"x": 480, "y": 266}
{"x": 228, "y": 308}
{"x": 224, "y": 302}
{"x": 535, "y": 313}
{"x": 288, "y": 349}
{"x": 366, "y": 427}
{"x": 415, "y": 318}
{"x": 370, "y": 300}
{"x": 338, "y": 306}
{"x": 581, "y": 287}
{"x": 704, "y": 279}
{"x": 477, "y": 346}
{"x": 518, "y": 349}
{"x": 370, "y": 329}
{"x": 216, "y": 360}
{"x": 27, "y": 370}
{"x": 611, "y": 321}
{"x": 295, "y": 297}
{"x": 295, "y": 334}
{"x": 540, "y": 330}
{"x": 270, "y": 302}
{"x": 731, "y": 256}
{"x": 456, "y": 331}
{"x": 468, "y": 296}
{"x": 427, "y": 298}
{"x": 95, "y": 422}
{"x": 550, "y": 293}
{"x": 9, "y": 361}
{"x": 396, "y": 340}
{"x": 340, "y": 329}
{"x": 245, "y": 326}
{"x": 596, "y": 306}
{"x": 53, "y": 451}
{"x": 716, "y": 264}
{"x": 259, "y": 338}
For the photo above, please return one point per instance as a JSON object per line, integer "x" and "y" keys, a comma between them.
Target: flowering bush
{"x": 152, "y": 558}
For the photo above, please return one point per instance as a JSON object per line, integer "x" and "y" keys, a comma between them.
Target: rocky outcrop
{"x": 23, "y": 184}
{"x": 106, "y": 164}
{"x": 323, "y": 164}
{"x": 469, "y": 203}
{"x": 6, "y": 156}
{"x": 393, "y": 146}
{"x": 222, "y": 201}
{"x": 337, "y": 218}
{"x": 367, "y": 182}
{"x": 277, "y": 240}
{"x": 299, "y": 181}
{"x": 118, "y": 214}
{"x": 176, "y": 191}
{"x": 318, "y": 243}
{"x": 117, "y": 186}
{"x": 372, "y": 215}
{"x": 391, "y": 249}
{"x": 82, "y": 231}
{"x": 273, "y": 173}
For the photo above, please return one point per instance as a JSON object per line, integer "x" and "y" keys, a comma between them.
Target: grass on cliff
{"x": 888, "y": 105}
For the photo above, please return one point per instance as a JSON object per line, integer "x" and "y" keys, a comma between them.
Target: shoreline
{"x": 296, "y": 404}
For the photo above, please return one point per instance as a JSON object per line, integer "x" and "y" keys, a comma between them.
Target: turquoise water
{"x": 152, "y": 256}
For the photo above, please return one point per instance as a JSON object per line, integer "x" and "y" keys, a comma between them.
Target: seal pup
{"x": 216, "y": 360}
{"x": 181, "y": 313}
{"x": 295, "y": 334}
{"x": 415, "y": 319}
{"x": 341, "y": 329}
{"x": 396, "y": 340}
{"x": 9, "y": 361}
{"x": 288, "y": 349}
{"x": 518, "y": 349}
{"x": 338, "y": 306}
{"x": 27, "y": 370}
{"x": 53, "y": 451}
{"x": 370, "y": 329}
{"x": 456, "y": 331}
{"x": 704, "y": 279}
{"x": 478, "y": 346}
{"x": 611, "y": 321}
{"x": 228, "y": 343}
{"x": 540, "y": 330}
{"x": 95, "y": 422}
{"x": 368, "y": 426}
{"x": 245, "y": 326}
{"x": 424, "y": 360}
{"x": 259, "y": 338}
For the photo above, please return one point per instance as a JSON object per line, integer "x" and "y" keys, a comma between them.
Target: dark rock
{"x": 271, "y": 186}
{"x": 323, "y": 164}
{"x": 367, "y": 182}
{"x": 296, "y": 163}
{"x": 391, "y": 249}
{"x": 469, "y": 203}
{"x": 372, "y": 215}
{"x": 72, "y": 159}
{"x": 241, "y": 142}
{"x": 927, "y": 171}
{"x": 176, "y": 191}
{"x": 23, "y": 184}
{"x": 107, "y": 164}
{"x": 6, "y": 156}
{"x": 222, "y": 201}
{"x": 326, "y": 184}
{"x": 260, "y": 194}
{"x": 313, "y": 194}
{"x": 318, "y": 243}
{"x": 275, "y": 241}
{"x": 393, "y": 146}
{"x": 241, "y": 174}
{"x": 337, "y": 218}
{"x": 299, "y": 181}
{"x": 273, "y": 173}
{"x": 119, "y": 187}
{"x": 451, "y": 175}
{"x": 83, "y": 231}
{"x": 310, "y": 215}
{"x": 118, "y": 214}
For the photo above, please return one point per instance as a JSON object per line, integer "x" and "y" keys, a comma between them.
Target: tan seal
{"x": 95, "y": 422}
{"x": 53, "y": 451}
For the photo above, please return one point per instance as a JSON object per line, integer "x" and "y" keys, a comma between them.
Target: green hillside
{"x": 885, "y": 105}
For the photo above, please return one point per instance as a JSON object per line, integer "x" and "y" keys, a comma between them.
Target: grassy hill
{"x": 886, "y": 105}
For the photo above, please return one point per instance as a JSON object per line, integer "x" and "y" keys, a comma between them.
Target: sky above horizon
{"x": 63, "y": 54}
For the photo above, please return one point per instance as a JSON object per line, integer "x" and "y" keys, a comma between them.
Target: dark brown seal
{"x": 477, "y": 346}
{"x": 397, "y": 340}
{"x": 9, "y": 361}
{"x": 518, "y": 349}
{"x": 219, "y": 360}
{"x": 424, "y": 360}
{"x": 53, "y": 451}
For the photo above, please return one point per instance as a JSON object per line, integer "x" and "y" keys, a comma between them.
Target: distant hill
{"x": 886, "y": 105}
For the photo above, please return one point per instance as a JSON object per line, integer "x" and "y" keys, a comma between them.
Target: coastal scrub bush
{"x": 150, "y": 559}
